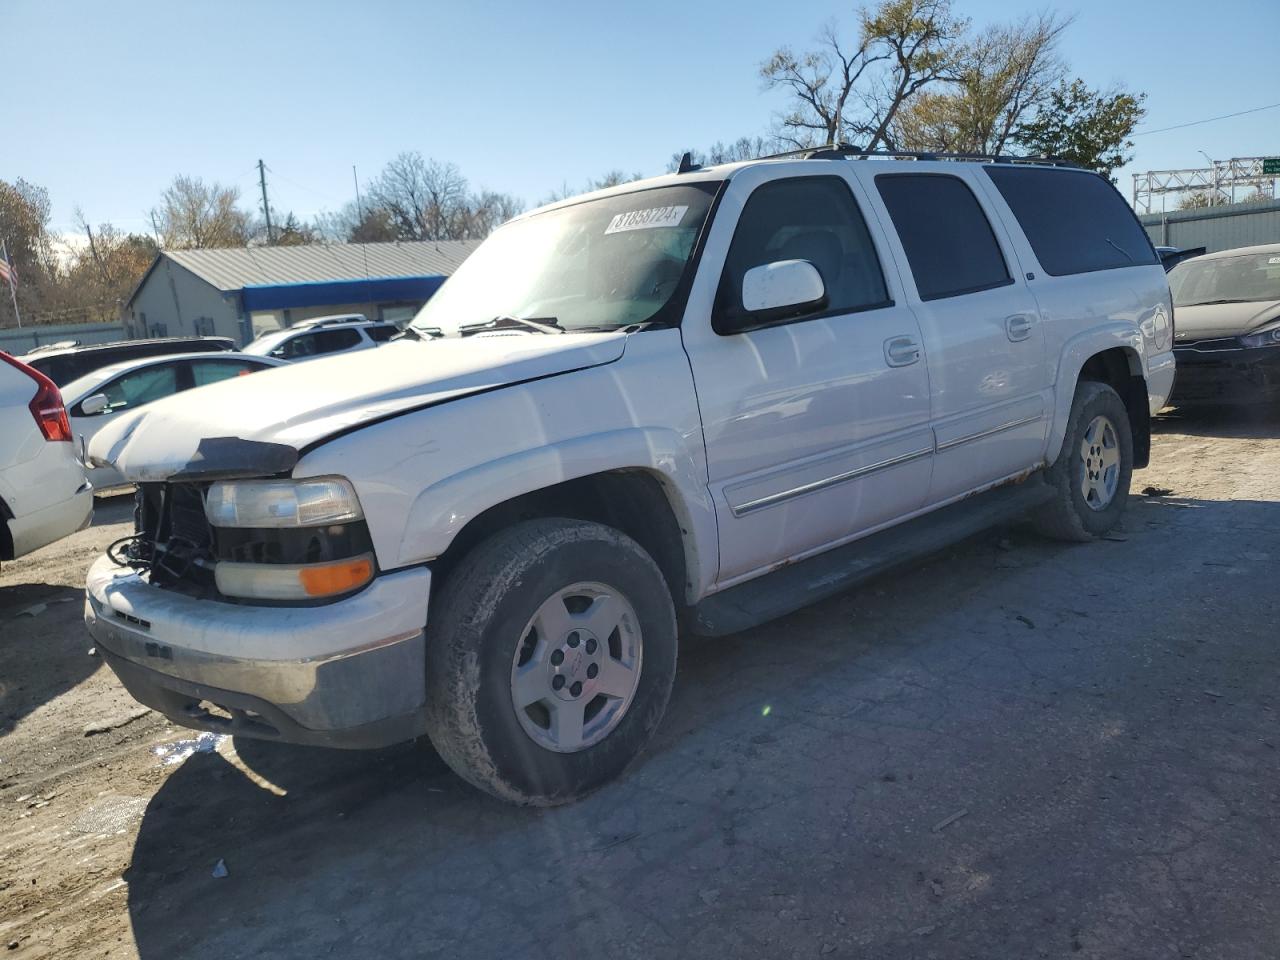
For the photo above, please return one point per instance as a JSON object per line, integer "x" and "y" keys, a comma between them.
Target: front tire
{"x": 1091, "y": 476}
{"x": 550, "y": 659}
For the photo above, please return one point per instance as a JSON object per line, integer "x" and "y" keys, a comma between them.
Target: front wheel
{"x": 1091, "y": 476}
{"x": 550, "y": 659}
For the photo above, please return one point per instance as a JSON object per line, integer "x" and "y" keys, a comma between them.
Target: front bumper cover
{"x": 1226, "y": 376}
{"x": 347, "y": 674}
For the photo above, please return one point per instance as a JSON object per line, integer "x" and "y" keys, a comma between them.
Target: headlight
{"x": 282, "y": 503}
{"x": 289, "y": 540}
{"x": 1263, "y": 338}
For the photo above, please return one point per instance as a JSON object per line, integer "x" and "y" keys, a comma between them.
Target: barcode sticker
{"x": 669, "y": 216}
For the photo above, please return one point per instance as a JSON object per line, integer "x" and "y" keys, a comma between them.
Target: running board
{"x": 797, "y": 585}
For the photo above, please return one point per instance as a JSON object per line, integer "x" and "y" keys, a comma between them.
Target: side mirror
{"x": 778, "y": 291}
{"x": 94, "y": 405}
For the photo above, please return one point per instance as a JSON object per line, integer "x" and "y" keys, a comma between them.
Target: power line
{"x": 1196, "y": 123}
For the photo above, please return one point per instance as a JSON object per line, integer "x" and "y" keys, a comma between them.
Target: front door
{"x": 817, "y": 426}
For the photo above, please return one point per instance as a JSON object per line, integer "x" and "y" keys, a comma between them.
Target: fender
{"x": 441, "y": 510}
{"x": 1075, "y": 353}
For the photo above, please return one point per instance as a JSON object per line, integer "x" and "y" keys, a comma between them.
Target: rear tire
{"x": 1091, "y": 476}
{"x": 551, "y": 655}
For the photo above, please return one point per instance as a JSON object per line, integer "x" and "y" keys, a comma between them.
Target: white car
{"x": 98, "y": 398}
{"x": 694, "y": 402}
{"x": 43, "y": 492}
{"x": 322, "y": 336}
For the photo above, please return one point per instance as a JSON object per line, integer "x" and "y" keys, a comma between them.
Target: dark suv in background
{"x": 63, "y": 363}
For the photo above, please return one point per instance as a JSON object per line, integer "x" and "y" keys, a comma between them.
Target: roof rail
{"x": 845, "y": 151}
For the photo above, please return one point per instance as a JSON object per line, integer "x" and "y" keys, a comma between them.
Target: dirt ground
{"x": 1016, "y": 749}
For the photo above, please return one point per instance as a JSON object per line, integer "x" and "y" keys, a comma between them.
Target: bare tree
{"x": 613, "y": 178}
{"x": 196, "y": 215}
{"x": 1008, "y": 73}
{"x": 744, "y": 148}
{"x": 422, "y": 199}
{"x": 853, "y": 89}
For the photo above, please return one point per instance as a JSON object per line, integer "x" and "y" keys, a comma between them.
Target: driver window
{"x": 813, "y": 219}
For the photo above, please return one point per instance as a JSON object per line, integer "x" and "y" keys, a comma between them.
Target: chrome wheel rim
{"x": 1100, "y": 463}
{"x": 576, "y": 667}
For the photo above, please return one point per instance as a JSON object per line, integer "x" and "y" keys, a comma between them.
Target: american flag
{"x": 7, "y": 273}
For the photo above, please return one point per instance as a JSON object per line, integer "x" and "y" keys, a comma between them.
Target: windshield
{"x": 1254, "y": 276}
{"x": 599, "y": 264}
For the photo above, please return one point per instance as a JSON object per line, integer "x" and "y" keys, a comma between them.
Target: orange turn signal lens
{"x": 325, "y": 580}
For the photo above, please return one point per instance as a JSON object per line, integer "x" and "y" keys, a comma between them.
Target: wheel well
{"x": 632, "y": 501}
{"x": 1121, "y": 369}
{"x": 6, "y": 538}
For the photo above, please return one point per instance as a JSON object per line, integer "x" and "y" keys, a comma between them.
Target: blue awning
{"x": 278, "y": 296}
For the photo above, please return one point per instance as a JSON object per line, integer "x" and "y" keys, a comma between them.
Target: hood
{"x": 1223, "y": 319}
{"x": 260, "y": 424}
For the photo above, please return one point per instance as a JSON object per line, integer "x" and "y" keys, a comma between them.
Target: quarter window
{"x": 813, "y": 219}
{"x": 947, "y": 238}
{"x": 1075, "y": 220}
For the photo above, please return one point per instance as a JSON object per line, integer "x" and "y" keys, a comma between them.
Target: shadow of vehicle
{"x": 996, "y": 746}
{"x": 1246, "y": 421}
{"x": 43, "y": 648}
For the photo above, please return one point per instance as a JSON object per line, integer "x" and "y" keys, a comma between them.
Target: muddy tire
{"x": 1090, "y": 478}
{"x": 551, "y": 655}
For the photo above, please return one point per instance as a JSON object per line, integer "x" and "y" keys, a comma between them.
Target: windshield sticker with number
{"x": 669, "y": 216}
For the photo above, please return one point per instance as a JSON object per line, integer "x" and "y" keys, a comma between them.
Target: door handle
{"x": 901, "y": 351}
{"x": 1018, "y": 327}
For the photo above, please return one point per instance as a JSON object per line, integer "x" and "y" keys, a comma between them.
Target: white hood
{"x": 282, "y": 411}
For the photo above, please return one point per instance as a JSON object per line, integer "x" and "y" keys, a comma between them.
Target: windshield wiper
{"x": 539, "y": 325}
{"x": 419, "y": 333}
{"x": 1206, "y": 303}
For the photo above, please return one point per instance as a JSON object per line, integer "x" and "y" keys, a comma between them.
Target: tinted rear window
{"x": 381, "y": 334}
{"x": 1075, "y": 220}
{"x": 946, "y": 236}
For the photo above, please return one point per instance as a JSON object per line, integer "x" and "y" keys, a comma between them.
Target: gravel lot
{"x": 1017, "y": 749}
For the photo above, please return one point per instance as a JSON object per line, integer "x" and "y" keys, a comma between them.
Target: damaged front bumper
{"x": 345, "y": 674}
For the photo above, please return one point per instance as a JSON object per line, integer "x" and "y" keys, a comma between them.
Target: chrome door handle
{"x": 1018, "y": 327}
{"x": 901, "y": 351}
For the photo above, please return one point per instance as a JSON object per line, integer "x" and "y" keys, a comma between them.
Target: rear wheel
{"x": 551, "y": 657}
{"x": 1091, "y": 476}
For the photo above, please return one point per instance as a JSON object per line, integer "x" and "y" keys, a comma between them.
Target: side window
{"x": 1075, "y": 221}
{"x": 141, "y": 386}
{"x": 381, "y": 334}
{"x": 948, "y": 240}
{"x": 813, "y": 219}
{"x": 204, "y": 372}
{"x": 331, "y": 341}
{"x": 303, "y": 345}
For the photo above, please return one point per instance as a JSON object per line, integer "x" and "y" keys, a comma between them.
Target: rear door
{"x": 982, "y": 327}
{"x": 817, "y": 427}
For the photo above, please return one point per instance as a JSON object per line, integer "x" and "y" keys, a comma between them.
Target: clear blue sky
{"x": 105, "y": 102}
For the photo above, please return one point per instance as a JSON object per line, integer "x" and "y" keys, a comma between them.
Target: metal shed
{"x": 245, "y": 291}
{"x": 1216, "y": 228}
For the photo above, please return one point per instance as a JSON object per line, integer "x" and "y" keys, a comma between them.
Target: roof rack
{"x": 845, "y": 151}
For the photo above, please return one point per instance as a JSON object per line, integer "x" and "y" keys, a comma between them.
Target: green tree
{"x": 1089, "y": 128}
{"x": 1008, "y": 72}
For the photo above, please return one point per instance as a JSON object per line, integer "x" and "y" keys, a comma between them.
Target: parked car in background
{"x": 64, "y": 362}
{"x": 1172, "y": 256}
{"x": 1228, "y": 327}
{"x": 95, "y": 400}
{"x": 322, "y": 336}
{"x": 704, "y": 399}
{"x": 43, "y": 492}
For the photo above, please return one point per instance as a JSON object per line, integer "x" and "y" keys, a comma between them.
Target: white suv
{"x": 322, "y": 336}
{"x": 43, "y": 492}
{"x": 700, "y": 400}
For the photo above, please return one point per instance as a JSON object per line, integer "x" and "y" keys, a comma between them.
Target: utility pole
{"x": 266, "y": 207}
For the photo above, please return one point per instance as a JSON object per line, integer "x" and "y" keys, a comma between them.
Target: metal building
{"x": 1223, "y": 227}
{"x": 246, "y": 291}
